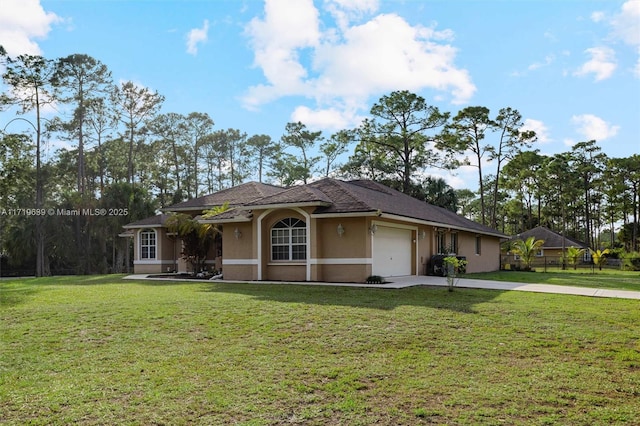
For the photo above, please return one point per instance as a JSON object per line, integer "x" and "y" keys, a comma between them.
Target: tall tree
{"x": 80, "y": 79}
{"x": 511, "y": 141}
{"x": 196, "y": 126}
{"x": 467, "y": 133}
{"x": 135, "y": 106}
{"x": 100, "y": 120}
{"x": 334, "y": 147}
{"x": 522, "y": 177}
{"x": 237, "y": 155}
{"x": 285, "y": 169}
{"x": 168, "y": 128}
{"x": 29, "y": 78}
{"x": 261, "y": 149}
{"x": 588, "y": 162}
{"x": 398, "y": 133}
{"x": 439, "y": 193}
{"x": 297, "y": 136}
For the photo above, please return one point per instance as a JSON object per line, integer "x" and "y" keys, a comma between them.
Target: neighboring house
{"x": 554, "y": 243}
{"x": 328, "y": 230}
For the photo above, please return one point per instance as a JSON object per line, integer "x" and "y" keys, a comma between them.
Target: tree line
{"x": 129, "y": 156}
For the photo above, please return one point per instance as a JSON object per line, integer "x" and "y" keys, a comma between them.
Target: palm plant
{"x": 598, "y": 257}
{"x": 573, "y": 254}
{"x": 527, "y": 249}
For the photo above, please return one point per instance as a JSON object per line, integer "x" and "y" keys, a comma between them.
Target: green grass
{"x": 610, "y": 279}
{"x": 100, "y": 350}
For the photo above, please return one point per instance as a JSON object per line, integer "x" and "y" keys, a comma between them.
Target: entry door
{"x": 391, "y": 252}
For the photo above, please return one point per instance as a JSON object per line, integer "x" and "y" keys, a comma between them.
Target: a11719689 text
{"x": 64, "y": 212}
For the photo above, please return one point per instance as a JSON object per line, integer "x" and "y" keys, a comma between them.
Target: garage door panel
{"x": 392, "y": 252}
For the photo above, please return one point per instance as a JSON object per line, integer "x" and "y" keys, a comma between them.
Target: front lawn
{"x": 100, "y": 350}
{"x": 608, "y": 278}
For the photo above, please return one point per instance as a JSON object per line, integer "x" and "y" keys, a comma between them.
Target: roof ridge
{"x": 344, "y": 186}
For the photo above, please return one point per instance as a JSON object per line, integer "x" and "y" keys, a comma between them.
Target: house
{"x": 551, "y": 252}
{"x": 554, "y": 243}
{"x": 328, "y": 230}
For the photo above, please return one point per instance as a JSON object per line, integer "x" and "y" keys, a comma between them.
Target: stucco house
{"x": 554, "y": 243}
{"x": 328, "y": 230}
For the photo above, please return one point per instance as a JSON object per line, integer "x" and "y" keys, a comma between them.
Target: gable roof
{"x": 236, "y": 196}
{"x": 552, "y": 240}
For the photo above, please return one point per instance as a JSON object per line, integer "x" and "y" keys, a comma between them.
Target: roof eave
{"x": 373, "y": 213}
{"x": 236, "y": 219}
{"x": 133, "y": 226}
{"x": 440, "y": 225}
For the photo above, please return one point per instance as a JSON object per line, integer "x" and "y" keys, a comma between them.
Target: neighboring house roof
{"x": 236, "y": 196}
{"x": 552, "y": 240}
{"x": 149, "y": 222}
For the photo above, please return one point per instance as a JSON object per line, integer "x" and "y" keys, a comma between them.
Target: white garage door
{"x": 391, "y": 252}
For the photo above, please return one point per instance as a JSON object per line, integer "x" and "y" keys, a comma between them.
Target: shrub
{"x": 375, "y": 279}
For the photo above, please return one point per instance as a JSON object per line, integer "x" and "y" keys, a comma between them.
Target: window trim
{"x": 288, "y": 231}
{"x": 148, "y": 234}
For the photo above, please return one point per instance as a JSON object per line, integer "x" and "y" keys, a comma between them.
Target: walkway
{"x": 417, "y": 280}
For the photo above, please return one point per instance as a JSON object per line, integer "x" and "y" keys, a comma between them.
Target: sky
{"x": 571, "y": 68}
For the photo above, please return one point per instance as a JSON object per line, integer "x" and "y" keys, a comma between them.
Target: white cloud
{"x": 332, "y": 118}
{"x": 597, "y": 16}
{"x": 593, "y": 127}
{"x": 345, "y": 11}
{"x": 21, "y": 23}
{"x": 340, "y": 67}
{"x": 197, "y": 36}
{"x": 626, "y": 27}
{"x": 626, "y": 24}
{"x": 386, "y": 53}
{"x": 602, "y": 63}
{"x": 539, "y": 127}
{"x": 276, "y": 40}
{"x": 548, "y": 60}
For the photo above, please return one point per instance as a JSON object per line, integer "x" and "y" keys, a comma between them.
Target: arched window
{"x": 147, "y": 244}
{"x": 289, "y": 240}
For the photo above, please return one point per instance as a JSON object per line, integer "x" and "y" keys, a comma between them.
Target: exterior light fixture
{"x": 423, "y": 234}
{"x": 237, "y": 233}
{"x": 373, "y": 228}
{"x": 340, "y": 230}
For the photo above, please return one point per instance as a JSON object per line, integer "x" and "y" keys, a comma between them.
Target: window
{"x": 441, "y": 246}
{"x": 454, "y": 243}
{"x": 478, "y": 244}
{"x": 147, "y": 244}
{"x": 289, "y": 240}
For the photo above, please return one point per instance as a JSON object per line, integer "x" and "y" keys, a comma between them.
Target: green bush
{"x": 375, "y": 279}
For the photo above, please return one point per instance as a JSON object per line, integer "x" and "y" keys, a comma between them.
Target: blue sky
{"x": 572, "y": 68}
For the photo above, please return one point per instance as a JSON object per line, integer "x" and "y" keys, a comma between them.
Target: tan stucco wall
{"x": 352, "y": 244}
{"x": 489, "y": 257}
{"x": 336, "y": 258}
{"x": 241, "y": 247}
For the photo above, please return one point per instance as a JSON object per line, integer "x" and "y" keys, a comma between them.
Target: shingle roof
{"x": 363, "y": 196}
{"x": 153, "y": 221}
{"x": 304, "y": 194}
{"x": 236, "y": 196}
{"x": 551, "y": 239}
{"x": 331, "y": 196}
{"x": 366, "y": 195}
